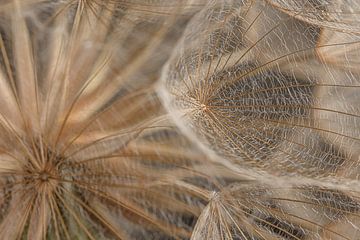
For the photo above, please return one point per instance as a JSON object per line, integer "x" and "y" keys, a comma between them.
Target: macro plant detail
{"x": 253, "y": 211}
{"x": 270, "y": 89}
{"x": 251, "y": 83}
{"x": 84, "y": 143}
{"x": 190, "y": 119}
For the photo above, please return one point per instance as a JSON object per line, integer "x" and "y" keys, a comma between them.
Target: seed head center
{"x": 203, "y": 107}
{"x": 44, "y": 176}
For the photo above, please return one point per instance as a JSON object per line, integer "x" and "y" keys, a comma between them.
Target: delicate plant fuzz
{"x": 179, "y": 119}
{"x": 255, "y": 211}
{"x": 83, "y": 136}
{"x": 249, "y": 83}
{"x": 270, "y": 89}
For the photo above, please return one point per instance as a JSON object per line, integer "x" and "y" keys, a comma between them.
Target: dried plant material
{"x": 256, "y": 211}
{"x": 343, "y": 50}
{"x": 243, "y": 85}
{"x": 341, "y": 125}
{"x": 339, "y": 15}
{"x": 86, "y": 148}
{"x": 179, "y": 119}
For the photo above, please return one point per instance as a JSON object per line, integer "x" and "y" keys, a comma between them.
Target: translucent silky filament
{"x": 190, "y": 119}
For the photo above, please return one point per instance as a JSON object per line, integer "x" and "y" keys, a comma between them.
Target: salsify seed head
{"x": 179, "y": 119}
{"x": 86, "y": 149}
{"x": 259, "y": 84}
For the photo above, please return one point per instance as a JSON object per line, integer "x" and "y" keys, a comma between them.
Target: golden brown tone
{"x": 179, "y": 119}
